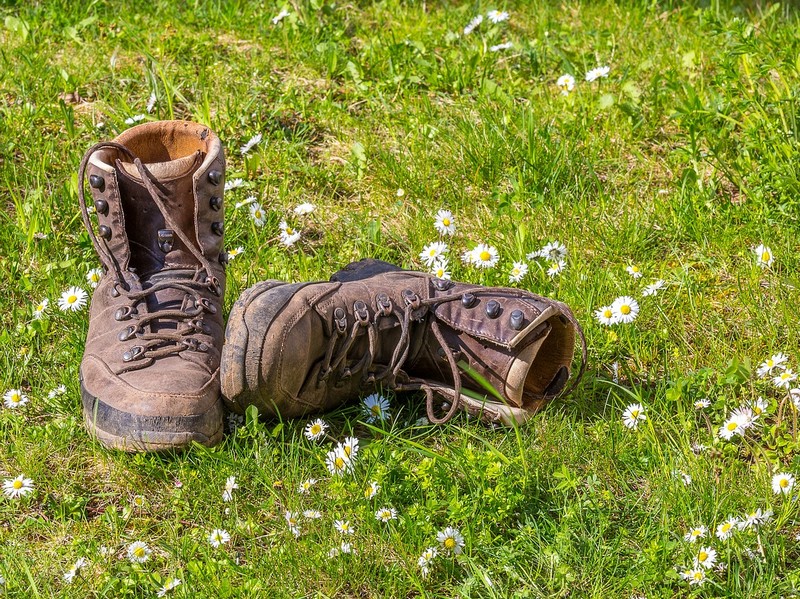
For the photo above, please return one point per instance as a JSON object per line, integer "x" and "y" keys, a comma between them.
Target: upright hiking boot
{"x": 296, "y": 349}
{"x": 150, "y": 370}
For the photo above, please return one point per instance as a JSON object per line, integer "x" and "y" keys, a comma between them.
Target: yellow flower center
{"x": 257, "y": 214}
{"x": 339, "y": 463}
{"x": 607, "y": 313}
{"x": 72, "y": 299}
{"x": 40, "y": 308}
{"x": 446, "y": 222}
{"x": 770, "y": 363}
{"x": 702, "y": 556}
{"x": 376, "y": 410}
{"x": 625, "y": 309}
{"x": 17, "y": 484}
{"x": 95, "y": 277}
{"x": 634, "y": 413}
{"x": 726, "y": 527}
{"x": 732, "y": 426}
{"x": 449, "y": 543}
{"x": 316, "y": 429}
{"x": 698, "y": 575}
{"x": 784, "y": 483}
{"x": 15, "y": 398}
{"x": 634, "y": 269}
{"x": 484, "y": 255}
{"x": 139, "y": 552}
{"x": 440, "y": 272}
{"x": 765, "y": 257}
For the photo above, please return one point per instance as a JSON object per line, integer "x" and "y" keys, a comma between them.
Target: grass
{"x": 681, "y": 162}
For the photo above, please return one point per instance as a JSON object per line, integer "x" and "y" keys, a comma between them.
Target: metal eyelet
{"x": 361, "y": 313}
{"x": 207, "y": 305}
{"x": 213, "y": 284}
{"x": 218, "y": 228}
{"x": 133, "y": 353}
{"x": 516, "y": 320}
{"x": 493, "y": 309}
{"x": 101, "y": 206}
{"x": 128, "y": 333}
{"x": 104, "y": 232}
{"x": 215, "y": 177}
{"x": 340, "y": 320}
{"x": 410, "y": 298}
{"x": 442, "y": 284}
{"x": 166, "y": 239}
{"x": 124, "y": 313}
{"x": 468, "y": 300}
{"x": 383, "y": 304}
{"x": 215, "y": 202}
{"x": 97, "y": 182}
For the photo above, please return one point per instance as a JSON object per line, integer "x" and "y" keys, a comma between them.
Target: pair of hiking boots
{"x": 156, "y": 372}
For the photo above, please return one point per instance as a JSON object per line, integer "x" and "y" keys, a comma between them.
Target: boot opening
{"x": 549, "y": 370}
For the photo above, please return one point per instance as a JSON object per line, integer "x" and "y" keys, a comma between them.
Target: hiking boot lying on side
{"x": 296, "y": 349}
{"x": 150, "y": 371}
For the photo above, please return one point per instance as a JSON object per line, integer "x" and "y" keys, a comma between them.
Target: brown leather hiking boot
{"x": 150, "y": 371}
{"x": 294, "y": 349}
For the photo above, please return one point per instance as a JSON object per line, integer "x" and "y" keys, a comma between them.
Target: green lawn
{"x": 680, "y": 162}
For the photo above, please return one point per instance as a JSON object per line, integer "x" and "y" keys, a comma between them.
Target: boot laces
{"x": 164, "y": 342}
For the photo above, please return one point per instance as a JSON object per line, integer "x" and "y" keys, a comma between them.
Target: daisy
{"x": 60, "y": 390}
{"x": 349, "y": 448}
{"x": 725, "y": 530}
{"x": 170, "y": 584}
{"x": 439, "y": 269}
{"x": 795, "y": 395}
{"x": 566, "y": 83}
{"x": 245, "y": 202}
{"x": 93, "y": 277}
{"x": 597, "y": 73}
{"x": 138, "y": 552}
{"x": 432, "y": 252}
{"x": 518, "y": 272}
{"x": 233, "y": 184}
{"x": 698, "y": 532}
{"x": 218, "y": 537}
{"x": 764, "y": 257}
{"x": 385, "y": 514}
{"x": 758, "y": 407}
{"x": 376, "y": 407}
{"x": 230, "y": 485}
{"x": 503, "y": 46}
{"x": 39, "y": 309}
{"x": 305, "y": 487}
{"x": 72, "y": 299}
{"x": 280, "y": 16}
{"x": 315, "y": 430}
{"x": 555, "y": 250}
{"x": 424, "y": 560}
{"x": 485, "y": 256}
{"x": 705, "y": 558}
{"x": 653, "y": 288}
{"x": 312, "y": 514}
{"x": 556, "y": 268}
{"x": 17, "y": 487}
{"x": 625, "y": 308}
{"x": 252, "y": 142}
{"x": 346, "y": 547}
{"x": 343, "y": 526}
{"x": 257, "y": 214}
{"x": 288, "y": 235}
{"x": 769, "y": 365}
{"x": 14, "y": 398}
{"x": 784, "y": 379}
{"x": 633, "y": 415}
{"x": 400, "y": 192}
{"x": 755, "y": 519}
{"x": 605, "y": 316}
{"x": 451, "y": 540}
{"x": 304, "y": 208}
{"x": 371, "y": 490}
{"x": 444, "y": 222}
{"x": 735, "y": 425}
{"x": 496, "y": 16}
{"x": 702, "y": 404}
{"x": 151, "y": 103}
{"x": 744, "y": 415}
{"x": 134, "y": 119}
{"x": 233, "y": 252}
{"x": 634, "y": 271}
{"x": 782, "y": 483}
{"x": 70, "y": 574}
{"x": 695, "y": 576}
{"x": 292, "y": 523}
{"x": 138, "y": 501}
{"x": 473, "y": 24}
{"x": 337, "y": 462}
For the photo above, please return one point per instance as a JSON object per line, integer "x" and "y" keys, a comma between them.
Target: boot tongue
{"x": 154, "y": 244}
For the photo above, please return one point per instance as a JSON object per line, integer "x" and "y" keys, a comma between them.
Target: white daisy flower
{"x": 312, "y": 514}
{"x": 794, "y": 394}
{"x": 653, "y": 288}
{"x": 376, "y": 407}
{"x": 451, "y": 540}
{"x": 385, "y": 514}
{"x": 233, "y": 184}
{"x": 60, "y": 390}
{"x": 444, "y": 222}
{"x": 694, "y": 576}
{"x": 433, "y": 252}
{"x": 726, "y": 529}
{"x": 280, "y": 16}
{"x": 349, "y": 448}
{"x": 70, "y": 574}
{"x": 233, "y": 252}
{"x": 634, "y": 271}
{"x": 467, "y": 258}
{"x": 496, "y": 16}
{"x": 292, "y": 522}
{"x": 473, "y": 24}
{"x": 134, "y": 119}
{"x": 625, "y": 308}
{"x": 633, "y": 415}
{"x": 138, "y": 552}
{"x": 439, "y": 269}
{"x": 40, "y": 308}
{"x": 735, "y": 425}
{"x": 755, "y": 519}
{"x": 698, "y": 532}
{"x": 218, "y": 537}
{"x": 705, "y": 558}
{"x": 315, "y": 429}
{"x": 485, "y": 256}
{"x": 169, "y": 584}
{"x": 251, "y": 143}
{"x": 304, "y": 209}
{"x": 424, "y": 560}
{"x": 151, "y": 103}
{"x": 555, "y": 250}
{"x": 764, "y": 257}
{"x": 499, "y": 47}
{"x": 305, "y": 487}
{"x": 337, "y": 462}
{"x": 597, "y": 73}
{"x": 770, "y": 365}
{"x": 566, "y": 83}
{"x": 245, "y": 202}
{"x": 702, "y": 404}
{"x": 605, "y": 316}
{"x": 758, "y": 407}
{"x": 17, "y": 487}
{"x": 230, "y": 485}
{"x": 782, "y": 483}
{"x": 346, "y": 547}
{"x": 14, "y": 398}
{"x": 556, "y": 268}
{"x": 344, "y": 527}
{"x": 784, "y": 379}
{"x": 288, "y": 236}
{"x": 257, "y": 214}
{"x": 93, "y": 277}
{"x": 72, "y": 299}
{"x": 518, "y": 272}
{"x": 371, "y": 490}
